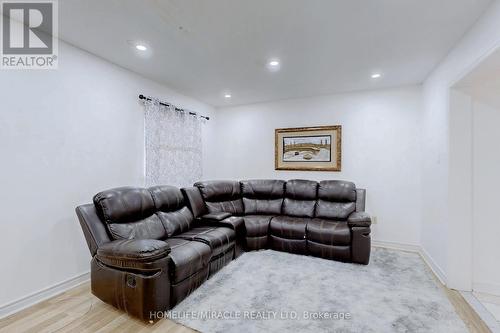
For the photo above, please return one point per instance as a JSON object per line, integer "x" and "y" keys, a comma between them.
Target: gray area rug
{"x": 270, "y": 291}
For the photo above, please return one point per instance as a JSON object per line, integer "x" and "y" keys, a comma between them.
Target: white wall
{"x": 380, "y": 144}
{"x": 434, "y": 178}
{"x": 486, "y": 163}
{"x": 474, "y": 162}
{"x": 64, "y": 136}
{"x": 440, "y": 236}
{"x": 460, "y": 188}
{"x": 481, "y": 87}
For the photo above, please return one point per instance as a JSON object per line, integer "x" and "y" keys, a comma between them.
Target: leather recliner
{"x": 148, "y": 251}
{"x": 324, "y": 219}
{"x": 152, "y": 247}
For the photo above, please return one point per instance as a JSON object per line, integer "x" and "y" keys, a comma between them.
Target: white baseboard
{"x": 487, "y": 288}
{"x": 433, "y": 266}
{"x": 397, "y": 246}
{"x": 438, "y": 272}
{"x": 42, "y": 295}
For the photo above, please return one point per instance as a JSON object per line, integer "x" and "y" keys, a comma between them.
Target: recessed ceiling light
{"x": 141, "y": 47}
{"x": 227, "y": 95}
{"x": 273, "y": 65}
{"x": 376, "y": 76}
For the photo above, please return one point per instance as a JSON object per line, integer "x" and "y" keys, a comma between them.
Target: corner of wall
{"x": 437, "y": 241}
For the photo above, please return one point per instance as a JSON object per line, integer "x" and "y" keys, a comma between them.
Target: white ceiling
{"x": 206, "y": 48}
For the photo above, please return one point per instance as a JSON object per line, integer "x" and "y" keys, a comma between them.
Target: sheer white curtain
{"x": 173, "y": 146}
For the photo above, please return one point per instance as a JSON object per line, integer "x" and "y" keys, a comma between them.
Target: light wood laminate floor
{"x": 78, "y": 311}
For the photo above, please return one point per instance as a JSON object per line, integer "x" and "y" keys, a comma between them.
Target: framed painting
{"x": 308, "y": 148}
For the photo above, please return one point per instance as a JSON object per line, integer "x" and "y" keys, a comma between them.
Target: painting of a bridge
{"x": 307, "y": 148}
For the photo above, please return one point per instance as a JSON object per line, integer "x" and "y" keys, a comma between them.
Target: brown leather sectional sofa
{"x": 152, "y": 247}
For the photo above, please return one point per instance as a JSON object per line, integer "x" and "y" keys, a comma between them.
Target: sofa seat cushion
{"x": 220, "y": 239}
{"x": 257, "y": 225}
{"x": 235, "y": 223}
{"x": 289, "y": 227}
{"x": 219, "y": 216}
{"x": 187, "y": 258}
{"x": 329, "y": 232}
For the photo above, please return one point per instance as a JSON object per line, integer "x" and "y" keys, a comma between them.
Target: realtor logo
{"x": 29, "y": 35}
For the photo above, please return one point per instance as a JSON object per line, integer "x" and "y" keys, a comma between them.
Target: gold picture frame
{"x": 308, "y": 148}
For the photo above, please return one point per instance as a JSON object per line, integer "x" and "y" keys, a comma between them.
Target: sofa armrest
{"x": 359, "y": 219}
{"x": 135, "y": 254}
{"x": 215, "y": 216}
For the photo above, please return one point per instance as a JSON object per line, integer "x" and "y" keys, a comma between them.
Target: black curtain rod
{"x": 141, "y": 96}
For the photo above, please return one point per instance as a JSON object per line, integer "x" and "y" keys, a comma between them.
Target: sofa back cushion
{"x": 262, "y": 196}
{"x": 172, "y": 210}
{"x": 300, "y": 198}
{"x": 129, "y": 213}
{"x": 336, "y": 199}
{"x": 221, "y": 196}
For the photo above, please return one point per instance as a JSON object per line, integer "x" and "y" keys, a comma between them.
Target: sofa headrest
{"x": 124, "y": 204}
{"x": 219, "y": 190}
{"x": 263, "y": 188}
{"x": 337, "y": 190}
{"x": 300, "y": 189}
{"x": 167, "y": 198}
